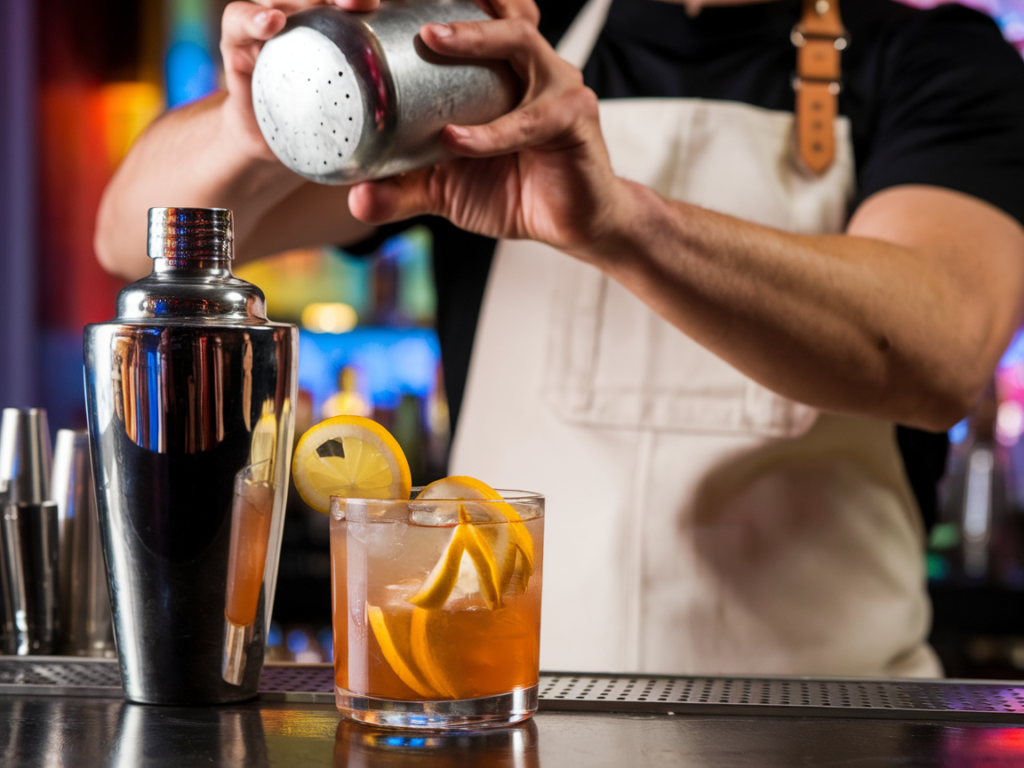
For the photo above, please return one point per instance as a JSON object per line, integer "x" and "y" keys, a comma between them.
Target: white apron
{"x": 696, "y": 521}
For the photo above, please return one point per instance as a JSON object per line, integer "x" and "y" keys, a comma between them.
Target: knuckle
{"x": 522, "y": 29}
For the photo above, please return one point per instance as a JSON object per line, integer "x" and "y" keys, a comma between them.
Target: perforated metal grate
{"x": 839, "y": 698}
{"x": 803, "y": 697}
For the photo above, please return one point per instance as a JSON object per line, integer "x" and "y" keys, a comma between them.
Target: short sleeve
{"x": 948, "y": 110}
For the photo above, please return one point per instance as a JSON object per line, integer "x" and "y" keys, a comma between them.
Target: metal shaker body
{"x": 86, "y": 627}
{"x": 342, "y": 97}
{"x": 190, "y": 396}
{"x": 28, "y": 534}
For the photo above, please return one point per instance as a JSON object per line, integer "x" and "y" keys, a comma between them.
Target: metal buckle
{"x": 799, "y": 39}
{"x": 835, "y": 87}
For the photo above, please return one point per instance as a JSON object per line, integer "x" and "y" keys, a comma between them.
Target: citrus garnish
{"x": 480, "y": 552}
{"x": 420, "y": 643}
{"x": 441, "y": 580}
{"x": 406, "y": 672}
{"x": 479, "y": 558}
{"x": 466, "y": 488}
{"x": 349, "y": 456}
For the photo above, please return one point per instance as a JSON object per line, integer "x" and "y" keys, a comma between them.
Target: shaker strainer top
{"x": 309, "y": 104}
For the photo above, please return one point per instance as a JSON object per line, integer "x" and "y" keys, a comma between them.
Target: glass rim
{"x": 517, "y": 496}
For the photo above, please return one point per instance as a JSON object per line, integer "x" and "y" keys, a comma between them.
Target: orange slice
{"x": 419, "y": 640}
{"x": 406, "y": 672}
{"x": 466, "y": 488}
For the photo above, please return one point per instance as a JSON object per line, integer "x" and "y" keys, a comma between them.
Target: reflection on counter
{"x": 359, "y": 746}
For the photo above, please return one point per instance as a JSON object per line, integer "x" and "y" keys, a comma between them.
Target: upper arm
{"x": 941, "y": 170}
{"x": 968, "y": 252}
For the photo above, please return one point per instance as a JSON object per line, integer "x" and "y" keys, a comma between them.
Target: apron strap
{"x": 819, "y": 38}
{"x": 578, "y": 41}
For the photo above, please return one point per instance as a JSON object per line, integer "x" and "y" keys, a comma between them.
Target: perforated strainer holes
{"x": 306, "y": 103}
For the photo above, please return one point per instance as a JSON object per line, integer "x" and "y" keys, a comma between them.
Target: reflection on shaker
{"x": 251, "y": 512}
{"x": 358, "y": 746}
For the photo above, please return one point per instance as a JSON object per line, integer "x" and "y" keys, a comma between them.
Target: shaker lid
{"x": 191, "y": 280}
{"x": 190, "y": 233}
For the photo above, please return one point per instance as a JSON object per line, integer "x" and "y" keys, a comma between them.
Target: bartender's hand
{"x": 245, "y": 27}
{"x": 540, "y": 172}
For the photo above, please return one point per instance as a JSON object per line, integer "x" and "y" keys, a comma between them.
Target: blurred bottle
{"x": 348, "y": 399}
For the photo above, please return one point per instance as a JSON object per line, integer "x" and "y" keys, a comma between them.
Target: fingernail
{"x": 458, "y": 131}
{"x": 441, "y": 30}
{"x": 261, "y": 17}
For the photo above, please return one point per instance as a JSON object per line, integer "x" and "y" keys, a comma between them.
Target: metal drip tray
{"x": 794, "y": 697}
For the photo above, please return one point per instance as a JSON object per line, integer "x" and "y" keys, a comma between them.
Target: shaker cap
{"x": 190, "y": 233}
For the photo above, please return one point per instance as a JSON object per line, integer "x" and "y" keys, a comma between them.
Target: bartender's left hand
{"x": 539, "y": 172}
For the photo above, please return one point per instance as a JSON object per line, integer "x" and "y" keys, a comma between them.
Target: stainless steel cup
{"x": 341, "y": 97}
{"x": 189, "y": 389}
{"x": 28, "y": 532}
{"x": 86, "y": 626}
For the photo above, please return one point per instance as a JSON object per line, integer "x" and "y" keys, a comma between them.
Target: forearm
{"x": 188, "y": 158}
{"x": 844, "y": 323}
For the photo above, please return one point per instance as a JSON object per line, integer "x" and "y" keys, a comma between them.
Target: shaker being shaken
{"x": 342, "y": 97}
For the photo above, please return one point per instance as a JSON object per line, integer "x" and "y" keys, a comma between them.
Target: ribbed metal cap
{"x": 185, "y": 233}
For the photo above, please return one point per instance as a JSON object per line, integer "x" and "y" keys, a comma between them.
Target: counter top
{"x": 51, "y": 731}
{"x": 832, "y": 723}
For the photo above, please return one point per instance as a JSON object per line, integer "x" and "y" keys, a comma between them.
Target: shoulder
{"x": 889, "y": 37}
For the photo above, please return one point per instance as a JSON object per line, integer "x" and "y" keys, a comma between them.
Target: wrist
{"x": 635, "y": 217}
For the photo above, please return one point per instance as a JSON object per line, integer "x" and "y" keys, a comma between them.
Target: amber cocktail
{"x": 437, "y": 609}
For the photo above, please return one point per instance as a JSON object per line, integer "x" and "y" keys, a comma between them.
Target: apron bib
{"x": 696, "y": 522}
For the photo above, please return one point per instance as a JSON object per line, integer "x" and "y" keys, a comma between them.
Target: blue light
{"x": 274, "y": 636}
{"x": 190, "y": 73}
{"x": 958, "y": 432}
{"x": 395, "y": 741}
{"x": 325, "y": 637}
{"x": 297, "y": 641}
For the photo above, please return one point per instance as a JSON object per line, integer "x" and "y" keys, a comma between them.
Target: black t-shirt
{"x": 934, "y": 97}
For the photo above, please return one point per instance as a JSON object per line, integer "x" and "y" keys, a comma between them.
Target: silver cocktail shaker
{"x": 342, "y": 97}
{"x": 190, "y": 395}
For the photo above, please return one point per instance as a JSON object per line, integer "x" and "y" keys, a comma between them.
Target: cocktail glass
{"x": 436, "y": 609}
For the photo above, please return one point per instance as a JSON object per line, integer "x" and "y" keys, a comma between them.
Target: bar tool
{"x": 189, "y": 388}
{"x": 342, "y": 97}
{"x": 28, "y": 532}
{"x": 86, "y": 627}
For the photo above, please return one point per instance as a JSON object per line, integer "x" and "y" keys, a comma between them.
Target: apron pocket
{"x": 612, "y": 362}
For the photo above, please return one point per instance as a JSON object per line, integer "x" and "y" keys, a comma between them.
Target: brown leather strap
{"x": 820, "y": 39}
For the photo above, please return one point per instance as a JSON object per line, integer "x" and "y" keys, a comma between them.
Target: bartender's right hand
{"x": 245, "y": 27}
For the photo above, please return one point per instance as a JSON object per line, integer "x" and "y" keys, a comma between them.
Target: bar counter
{"x": 60, "y": 712}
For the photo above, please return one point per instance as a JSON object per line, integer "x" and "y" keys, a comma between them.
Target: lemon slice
{"x": 466, "y": 488}
{"x": 405, "y": 671}
{"x": 349, "y": 456}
